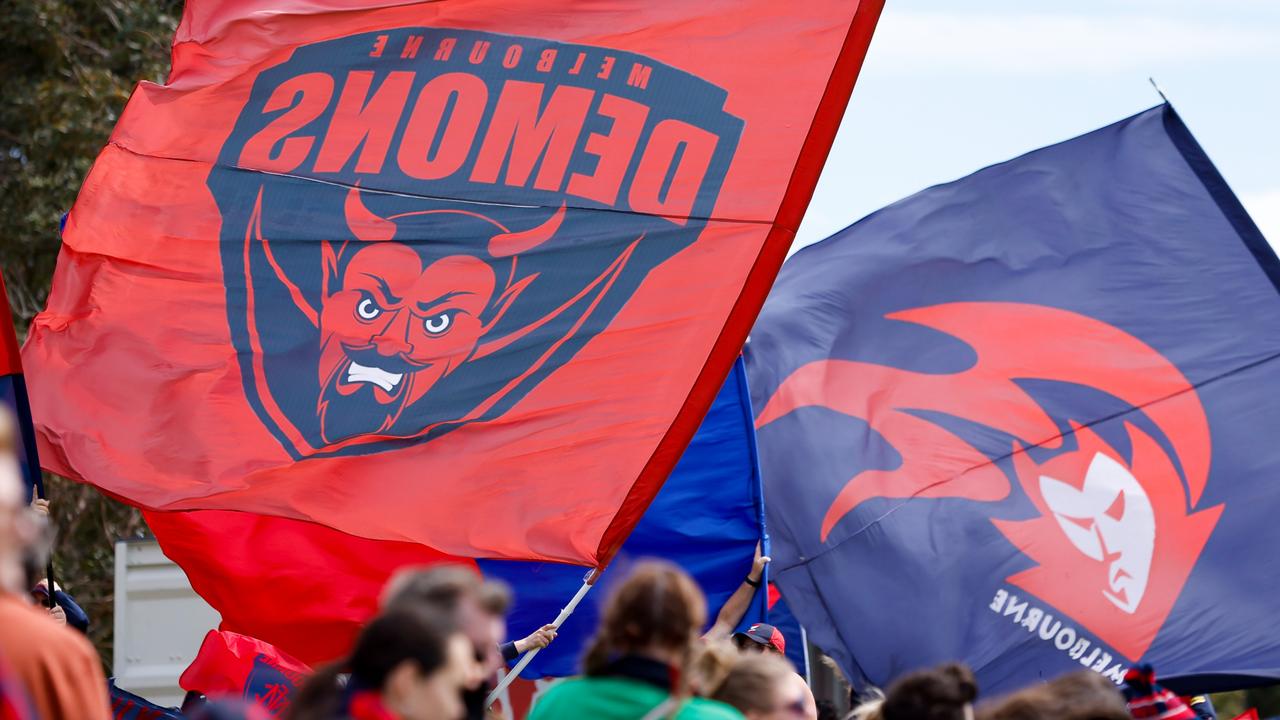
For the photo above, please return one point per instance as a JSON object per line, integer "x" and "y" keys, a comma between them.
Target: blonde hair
{"x": 710, "y": 664}
{"x": 869, "y": 707}
{"x": 1082, "y": 695}
{"x": 751, "y": 684}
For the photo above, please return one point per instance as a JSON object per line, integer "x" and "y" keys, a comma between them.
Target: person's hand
{"x": 57, "y": 613}
{"x": 44, "y": 585}
{"x": 38, "y": 504}
{"x": 537, "y": 640}
{"x": 757, "y": 567}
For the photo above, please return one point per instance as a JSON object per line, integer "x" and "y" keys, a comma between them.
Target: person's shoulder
{"x": 13, "y": 606}
{"x": 602, "y": 697}
{"x": 702, "y": 709}
{"x": 23, "y": 624}
{"x": 598, "y": 686}
{"x": 547, "y": 702}
{"x": 567, "y": 686}
{"x": 33, "y": 628}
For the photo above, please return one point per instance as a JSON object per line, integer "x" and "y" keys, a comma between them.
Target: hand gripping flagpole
{"x": 587, "y": 583}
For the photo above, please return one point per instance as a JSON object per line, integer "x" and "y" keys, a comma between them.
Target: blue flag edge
{"x": 561, "y": 581}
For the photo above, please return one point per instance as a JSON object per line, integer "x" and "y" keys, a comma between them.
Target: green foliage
{"x": 1265, "y": 699}
{"x": 1232, "y": 704}
{"x": 88, "y": 525}
{"x": 66, "y": 69}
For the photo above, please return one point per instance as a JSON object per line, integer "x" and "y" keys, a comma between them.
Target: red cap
{"x": 764, "y": 634}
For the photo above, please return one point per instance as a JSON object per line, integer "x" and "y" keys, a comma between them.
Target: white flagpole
{"x": 804, "y": 640}
{"x": 507, "y": 679}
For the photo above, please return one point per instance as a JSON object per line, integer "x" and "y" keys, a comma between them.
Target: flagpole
{"x": 808, "y": 673}
{"x": 1159, "y": 91}
{"x": 48, "y": 518}
{"x": 510, "y": 677}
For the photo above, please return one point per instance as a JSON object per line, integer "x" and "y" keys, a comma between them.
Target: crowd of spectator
{"x": 438, "y": 644}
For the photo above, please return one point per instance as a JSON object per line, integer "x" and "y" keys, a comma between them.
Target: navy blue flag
{"x": 781, "y": 617}
{"x": 1027, "y": 420}
{"x": 707, "y": 519}
{"x": 13, "y": 395}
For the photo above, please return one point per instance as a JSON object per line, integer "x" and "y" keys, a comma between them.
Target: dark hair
{"x": 1081, "y": 695}
{"x": 658, "y": 605}
{"x": 752, "y": 682}
{"x": 398, "y": 635}
{"x": 937, "y": 694}
{"x": 443, "y": 588}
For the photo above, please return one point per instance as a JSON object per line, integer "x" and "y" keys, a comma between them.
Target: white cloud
{"x": 1022, "y": 43}
{"x": 1264, "y": 208}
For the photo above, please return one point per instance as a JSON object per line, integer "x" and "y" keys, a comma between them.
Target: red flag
{"x": 10, "y": 362}
{"x": 1250, "y": 714}
{"x": 462, "y": 273}
{"x": 323, "y": 585}
{"x": 13, "y": 395}
{"x": 233, "y": 665}
{"x": 516, "y": 700}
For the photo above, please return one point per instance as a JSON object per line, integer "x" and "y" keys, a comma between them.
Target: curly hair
{"x": 657, "y": 606}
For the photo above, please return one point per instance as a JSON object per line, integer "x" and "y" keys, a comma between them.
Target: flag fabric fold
{"x": 392, "y": 267}
{"x": 308, "y": 589}
{"x": 232, "y": 665}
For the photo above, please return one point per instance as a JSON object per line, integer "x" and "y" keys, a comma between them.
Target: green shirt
{"x": 615, "y": 698}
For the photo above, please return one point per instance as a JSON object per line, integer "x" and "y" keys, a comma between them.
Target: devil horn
{"x": 363, "y": 223}
{"x": 508, "y": 244}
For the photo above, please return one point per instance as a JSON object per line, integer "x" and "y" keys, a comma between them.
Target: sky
{"x": 951, "y": 87}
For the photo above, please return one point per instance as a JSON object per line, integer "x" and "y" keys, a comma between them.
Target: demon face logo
{"x": 1109, "y": 518}
{"x": 420, "y": 225}
{"x": 395, "y": 320}
{"x": 1117, "y": 529}
{"x": 393, "y": 323}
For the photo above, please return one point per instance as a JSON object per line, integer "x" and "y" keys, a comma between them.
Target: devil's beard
{"x": 345, "y": 415}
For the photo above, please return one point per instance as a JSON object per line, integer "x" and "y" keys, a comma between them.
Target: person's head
{"x": 942, "y": 693}
{"x": 866, "y": 707}
{"x": 709, "y": 664}
{"x": 1081, "y": 695}
{"x": 761, "y": 637}
{"x": 478, "y": 607}
{"x": 801, "y": 689}
{"x": 764, "y": 687}
{"x": 657, "y": 612}
{"x": 18, "y": 529}
{"x": 415, "y": 663}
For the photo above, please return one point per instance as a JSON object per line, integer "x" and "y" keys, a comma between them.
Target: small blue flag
{"x": 707, "y": 519}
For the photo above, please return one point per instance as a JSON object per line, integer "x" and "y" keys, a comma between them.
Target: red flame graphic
{"x": 1085, "y": 572}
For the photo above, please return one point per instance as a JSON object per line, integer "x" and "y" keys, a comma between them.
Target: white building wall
{"x": 159, "y": 622}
